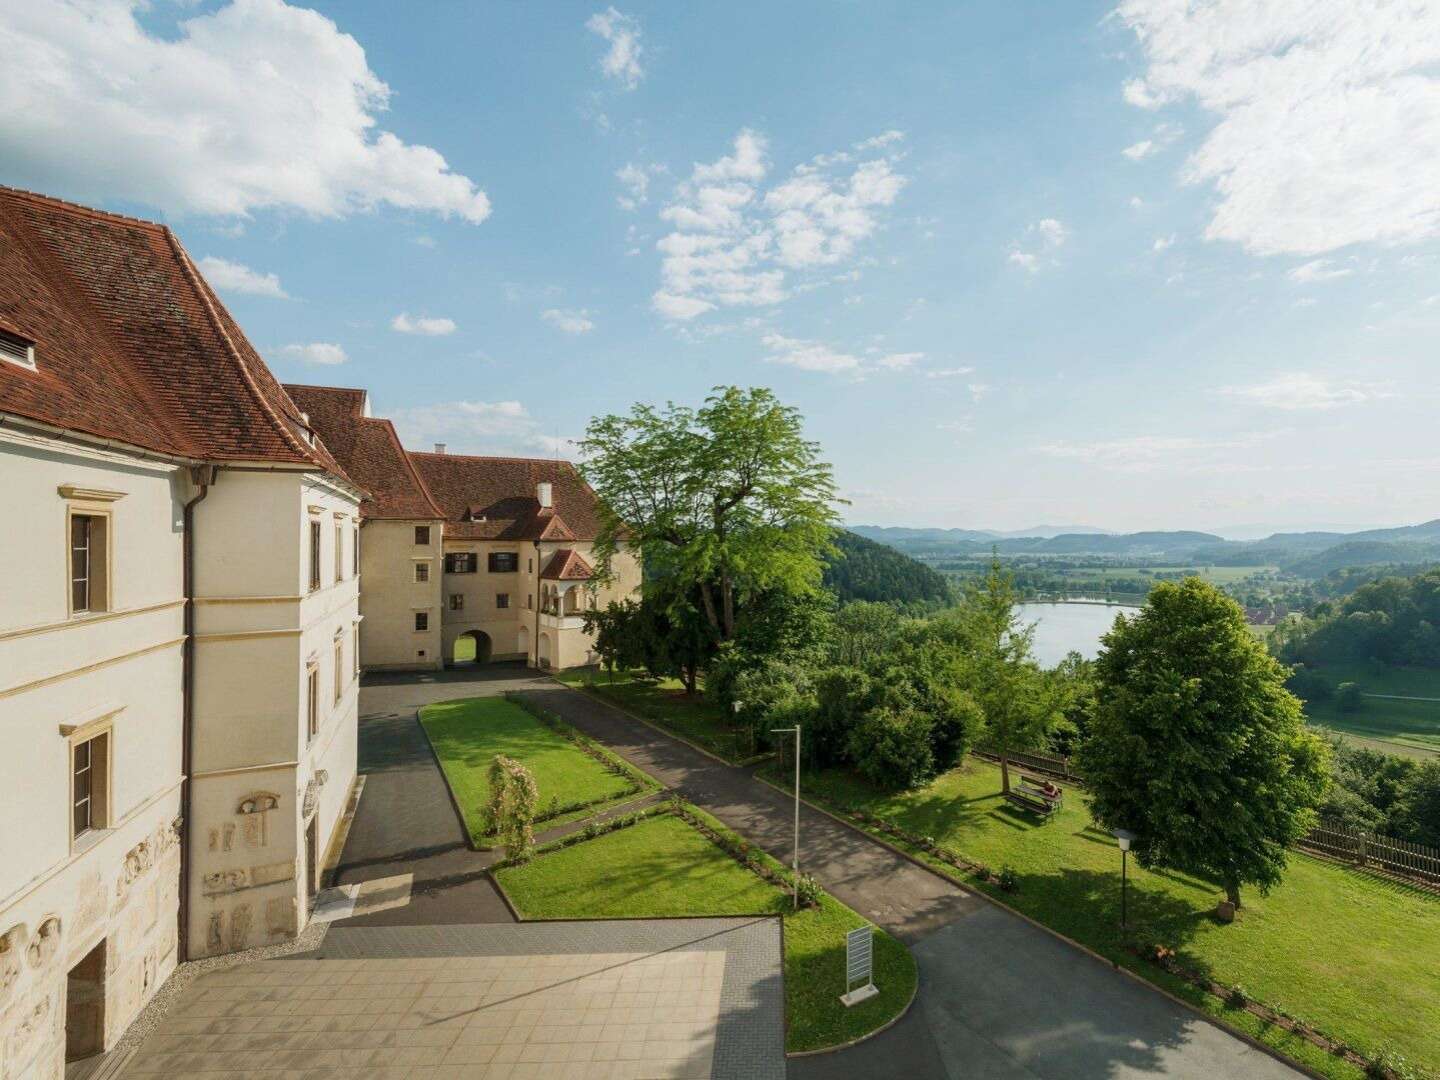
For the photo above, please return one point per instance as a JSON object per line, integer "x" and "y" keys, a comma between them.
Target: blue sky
{"x": 1130, "y": 267}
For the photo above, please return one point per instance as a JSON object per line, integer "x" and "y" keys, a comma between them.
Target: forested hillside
{"x": 1394, "y": 620}
{"x": 865, "y": 570}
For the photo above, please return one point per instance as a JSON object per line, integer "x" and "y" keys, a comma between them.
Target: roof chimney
{"x": 439, "y": 447}
{"x": 542, "y": 494}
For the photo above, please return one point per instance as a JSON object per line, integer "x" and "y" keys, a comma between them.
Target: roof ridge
{"x": 248, "y": 377}
{"x": 405, "y": 456}
{"x": 59, "y": 280}
{"x": 495, "y": 457}
{"x": 327, "y": 386}
{"x": 78, "y": 209}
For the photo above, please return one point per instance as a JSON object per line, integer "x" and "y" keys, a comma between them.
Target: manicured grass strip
{"x": 468, "y": 733}
{"x": 662, "y": 866}
{"x": 665, "y": 704}
{"x": 1351, "y": 954}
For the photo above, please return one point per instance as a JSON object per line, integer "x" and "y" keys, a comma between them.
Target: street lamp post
{"x": 795, "y": 855}
{"x": 1123, "y": 837}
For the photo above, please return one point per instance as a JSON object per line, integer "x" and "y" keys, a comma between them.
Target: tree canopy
{"x": 1196, "y": 746}
{"x": 725, "y": 503}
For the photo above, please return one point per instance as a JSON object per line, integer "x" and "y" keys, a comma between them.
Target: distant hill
{"x": 1306, "y": 554}
{"x": 866, "y": 570}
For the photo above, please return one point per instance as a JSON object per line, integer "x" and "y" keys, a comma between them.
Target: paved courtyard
{"x": 609, "y": 1000}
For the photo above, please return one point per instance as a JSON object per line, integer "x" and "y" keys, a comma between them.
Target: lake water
{"x": 1061, "y": 628}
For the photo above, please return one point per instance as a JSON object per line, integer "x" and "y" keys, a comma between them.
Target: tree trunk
{"x": 1004, "y": 774}
{"x": 1232, "y": 892}
{"x": 708, "y": 602}
{"x": 727, "y": 602}
{"x": 688, "y": 674}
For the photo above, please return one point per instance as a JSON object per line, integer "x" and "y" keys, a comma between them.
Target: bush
{"x": 1348, "y": 696}
{"x": 891, "y": 748}
{"x": 1309, "y": 685}
{"x": 1009, "y": 880}
{"x": 808, "y": 890}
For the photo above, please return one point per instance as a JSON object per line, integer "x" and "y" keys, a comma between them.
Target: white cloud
{"x": 233, "y": 277}
{"x": 1329, "y": 115}
{"x": 1170, "y": 453}
{"x": 949, "y": 373}
{"x": 423, "y": 241}
{"x": 1136, "y": 202}
{"x": 318, "y": 352}
{"x": 809, "y": 355}
{"x": 979, "y": 390}
{"x": 1164, "y": 135}
{"x": 635, "y": 179}
{"x": 1298, "y": 390}
{"x": 621, "y": 61}
{"x": 1044, "y": 238}
{"x": 1319, "y": 270}
{"x": 470, "y": 427}
{"x": 876, "y": 142}
{"x": 422, "y": 324}
{"x": 733, "y": 244}
{"x": 899, "y": 361}
{"x": 252, "y": 106}
{"x": 576, "y": 321}
{"x": 1142, "y": 149}
{"x": 1163, "y": 242}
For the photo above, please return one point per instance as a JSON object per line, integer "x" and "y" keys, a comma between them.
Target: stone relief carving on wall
{"x": 312, "y": 800}
{"x": 255, "y": 809}
{"x": 46, "y": 942}
{"x": 12, "y": 947}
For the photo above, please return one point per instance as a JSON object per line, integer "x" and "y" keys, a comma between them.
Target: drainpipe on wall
{"x": 202, "y": 476}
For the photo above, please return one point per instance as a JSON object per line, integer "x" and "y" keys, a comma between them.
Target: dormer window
{"x": 15, "y": 349}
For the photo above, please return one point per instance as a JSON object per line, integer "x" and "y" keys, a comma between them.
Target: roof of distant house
{"x": 567, "y": 565}
{"x": 131, "y": 343}
{"x": 368, "y": 449}
{"x": 496, "y": 498}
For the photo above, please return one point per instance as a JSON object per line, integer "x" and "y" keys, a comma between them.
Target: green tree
{"x": 725, "y": 503}
{"x": 1021, "y": 702}
{"x": 1196, "y": 746}
{"x": 1418, "y": 807}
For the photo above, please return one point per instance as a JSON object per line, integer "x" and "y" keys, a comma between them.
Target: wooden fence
{"x": 1046, "y": 763}
{"x": 1376, "y": 852}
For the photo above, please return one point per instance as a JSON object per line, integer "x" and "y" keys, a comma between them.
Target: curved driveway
{"x": 998, "y": 997}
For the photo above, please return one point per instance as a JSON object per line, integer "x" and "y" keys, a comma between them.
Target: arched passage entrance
{"x": 542, "y": 651}
{"x": 472, "y": 647}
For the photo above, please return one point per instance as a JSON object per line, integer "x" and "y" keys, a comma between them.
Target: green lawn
{"x": 1354, "y": 955}
{"x": 663, "y": 866}
{"x": 665, "y": 704}
{"x": 468, "y": 733}
{"x": 1405, "y": 727}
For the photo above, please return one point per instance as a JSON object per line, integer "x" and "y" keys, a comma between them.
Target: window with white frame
{"x": 89, "y": 784}
{"x": 89, "y": 563}
{"x": 339, "y": 667}
{"x": 339, "y": 553}
{"x": 422, "y": 572}
{"x": 312, "y": 702}
{"x": 355, "y": 551}
{"x": 314, "y": 555}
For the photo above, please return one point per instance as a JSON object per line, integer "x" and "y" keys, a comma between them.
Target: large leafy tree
{"x": 1195, "y": 744}
{"x": 726, "y": 503}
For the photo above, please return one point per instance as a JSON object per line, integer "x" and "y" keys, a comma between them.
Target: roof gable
{"x": 494, "y": 498}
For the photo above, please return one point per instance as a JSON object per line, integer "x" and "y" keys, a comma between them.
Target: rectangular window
{"x": 88, "y": 563}
{"x": 460, "y": 562}
{"x": 457, "y": 601}
{"x": 422, "y": 621}
{"x": 529, "y": 602}
{"x": 422, "y": 534}
{"x": 422, "y": 571}
{"x": 312, "y": 703}
{"x": 529, "y": 566}
{"x": 355, "y": 650}
{"x": 339, "y": 668}
{"x": 89, "y": 784}
{"x": 314, "y": 555}
{"x": 502, "y": 600}
{"x": 355, "y": 551}
{"x": 504, "y": 562}
{"x": 339, "y": 554}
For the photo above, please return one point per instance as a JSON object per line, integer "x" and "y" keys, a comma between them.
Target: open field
{"x": 468, "y": 733}
{"x": 664, "y": 866}
{"x": 664, "y": 703}
{"x": 1352, "y": 954}
{"x": 1392, "y": 724}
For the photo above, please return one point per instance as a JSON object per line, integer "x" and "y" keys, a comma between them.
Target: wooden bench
{"x": 1029, "y": 794}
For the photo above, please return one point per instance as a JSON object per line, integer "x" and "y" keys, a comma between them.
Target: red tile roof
{"x": 567, "y": 565}
{"x": 131, "y": 343}
{"x": 494, "y": 498}
{"x": 368, "y": 449}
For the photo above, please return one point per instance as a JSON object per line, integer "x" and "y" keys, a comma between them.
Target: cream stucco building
{"x": 465, "y": 555}
{"x": 178, "y": 632}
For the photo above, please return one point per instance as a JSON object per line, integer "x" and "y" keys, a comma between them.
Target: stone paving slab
{"x": 611, "y": 1000}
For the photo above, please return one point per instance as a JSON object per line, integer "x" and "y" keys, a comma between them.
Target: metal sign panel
{"x": 859, "y": 945}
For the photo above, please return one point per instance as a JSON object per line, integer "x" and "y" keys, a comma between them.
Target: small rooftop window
{"x": 17, "y": 350}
